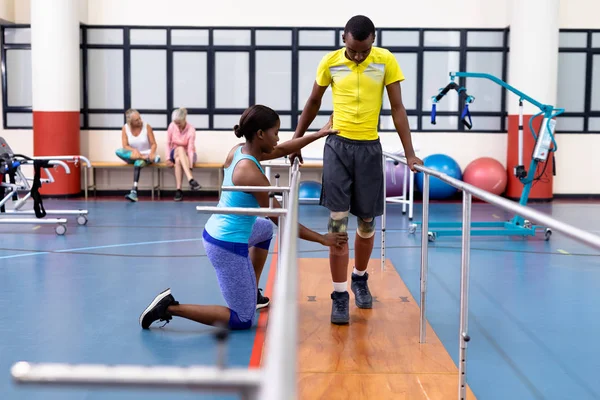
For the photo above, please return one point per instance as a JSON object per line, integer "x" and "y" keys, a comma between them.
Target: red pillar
{"x": 543, "y": 188}
{"x": 56, "y": 88}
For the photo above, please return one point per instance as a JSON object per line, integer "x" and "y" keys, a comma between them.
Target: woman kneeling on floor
{"x": 238, "y": 245}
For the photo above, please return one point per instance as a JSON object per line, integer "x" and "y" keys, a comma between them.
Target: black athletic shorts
{"x": 353, "y": 176}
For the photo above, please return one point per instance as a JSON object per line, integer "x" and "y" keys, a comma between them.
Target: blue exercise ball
{"x": 309, "y": 191}
{"x": 446, "y": 165}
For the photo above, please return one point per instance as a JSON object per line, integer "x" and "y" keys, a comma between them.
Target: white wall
{"x": 212, "y": 146}
{"x": 575, "y": 14}
{"x": 7, "y": 10}
{"x": 431, "y": 13}
{"x": 22, "y": 11}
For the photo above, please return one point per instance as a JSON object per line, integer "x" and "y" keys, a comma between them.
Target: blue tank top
{"x": 229, "y": 227}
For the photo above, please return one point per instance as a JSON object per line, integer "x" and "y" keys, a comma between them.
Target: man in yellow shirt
{"x": 352, "y": 160}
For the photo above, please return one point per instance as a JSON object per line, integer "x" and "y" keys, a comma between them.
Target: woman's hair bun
{"x": 236, "y": 130}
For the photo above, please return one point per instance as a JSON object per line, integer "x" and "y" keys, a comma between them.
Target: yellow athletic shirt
{"x": 357, "y": 89}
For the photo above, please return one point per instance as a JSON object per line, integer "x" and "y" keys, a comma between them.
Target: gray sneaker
{"x": 178, "y": 195}
{"x": 132, "y": 196}
{"x": 194, "y": 185}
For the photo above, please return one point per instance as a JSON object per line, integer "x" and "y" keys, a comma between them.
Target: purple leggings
{"x": 235, "y": 271}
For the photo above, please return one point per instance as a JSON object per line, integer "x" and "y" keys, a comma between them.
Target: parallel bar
{"x": 424, "y": 260}
{"x": 280, "y": 222}
{"x": 464, "y": 297}
{"x": 383, "y": 217}
{"x": 276, "y": 164}
{"x": 48, "y": 212}
{"x": 194, "y": 377}
{"x": 257, "y": 189}
{"x": 52, "y": 161}
{"x": 260, "y": 212}
{"x": 65, "y": 158}
{"x": 41, "y": 221}
{"x": 280, "y": 380}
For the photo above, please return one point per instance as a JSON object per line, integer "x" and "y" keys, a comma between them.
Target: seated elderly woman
{"x": 181, "y": 148}
{"x": 139, "y": 147}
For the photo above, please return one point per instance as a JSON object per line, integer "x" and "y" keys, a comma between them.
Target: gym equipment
{"x": 394, "y": 179}
{"x": 10, "y": 166}
{"x": 399, "y": 183}
{"x": 545, "y": 144}
{"x": 486, "y": 173}
{"x": 445, "y": 164}
{"x": 310, "y": 191}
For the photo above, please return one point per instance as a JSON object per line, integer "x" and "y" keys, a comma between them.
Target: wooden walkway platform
{"x": 378, "y": 355}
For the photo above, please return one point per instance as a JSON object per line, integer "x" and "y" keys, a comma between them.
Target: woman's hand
{"x": 326, "y": 130}
{"x": 335, "y": 239}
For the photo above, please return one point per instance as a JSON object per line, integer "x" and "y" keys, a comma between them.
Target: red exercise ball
{"x": 486, "y": 173}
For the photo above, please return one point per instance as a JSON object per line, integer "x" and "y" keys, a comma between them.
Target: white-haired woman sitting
{"x": 181, "y": 148}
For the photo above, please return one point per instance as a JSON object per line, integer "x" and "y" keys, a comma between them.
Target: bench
{"x": 155, "y": 168}
{"x": 200, "y": 166}
{"x": 159, "y": 168}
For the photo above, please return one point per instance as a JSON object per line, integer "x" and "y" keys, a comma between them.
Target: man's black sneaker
{"x": 157, "y": 310}
{"x": 261, "y": 301}
{"x": 340, "y": 313}
{"x": 362, "y": 295}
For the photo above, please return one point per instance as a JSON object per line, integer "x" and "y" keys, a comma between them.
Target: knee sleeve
{"x": 366, "y": 227}
{"x": 338, "y": 222}
{"x": 236, "y": 324}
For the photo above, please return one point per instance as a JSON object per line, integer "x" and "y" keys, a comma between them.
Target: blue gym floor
{"x": 534, "y": 316}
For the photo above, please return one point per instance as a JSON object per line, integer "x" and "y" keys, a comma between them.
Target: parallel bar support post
{"x": 384, "y": 159}
{"x": 464, "y": 297}
{"x": 280, "y": 223}
{"x": 424, "y": 260}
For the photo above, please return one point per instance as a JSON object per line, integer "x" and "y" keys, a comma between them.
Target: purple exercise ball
{"x": 394, "y": 179}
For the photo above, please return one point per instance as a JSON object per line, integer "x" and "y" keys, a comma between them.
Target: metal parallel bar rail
{"x": 260, "y": 212}
{"x": 282, "y": 330}
{"x": 51, "y": 161}
{"x": 259, "y": 189}
{"x": 74, "y": 159}
{"x": 468, "y": 192}
{"x": 277, "y": 378}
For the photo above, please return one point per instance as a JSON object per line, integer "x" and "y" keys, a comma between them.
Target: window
{"x": 579, "y": 81}
{"x": 217, "y": 72}
{"x": 105, "y": 87}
